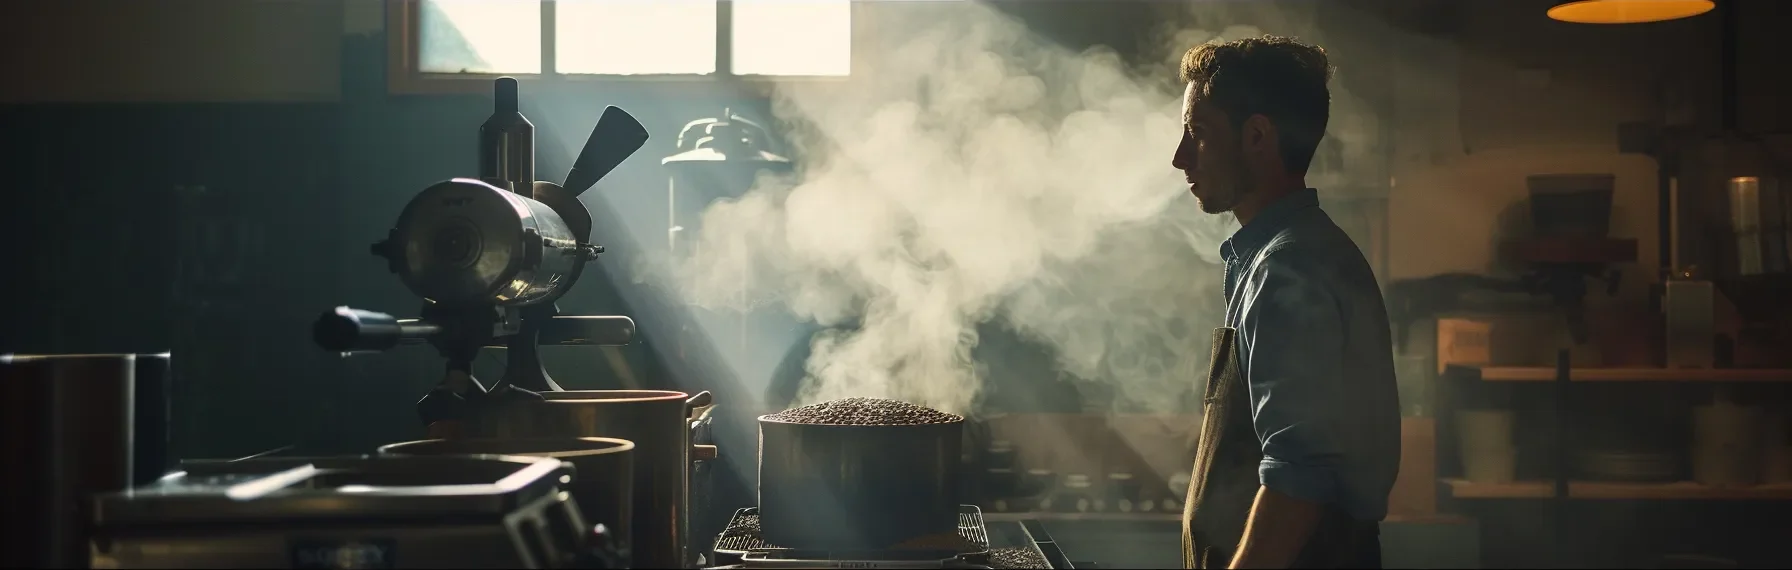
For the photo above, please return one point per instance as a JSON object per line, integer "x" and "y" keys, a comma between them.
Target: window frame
{"x": 403, "y": 76}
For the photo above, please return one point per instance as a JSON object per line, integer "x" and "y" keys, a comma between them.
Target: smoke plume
{"x": 971, "y": 172}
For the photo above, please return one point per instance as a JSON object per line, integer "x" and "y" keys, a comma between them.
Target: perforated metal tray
{"x": 733, "y": 544}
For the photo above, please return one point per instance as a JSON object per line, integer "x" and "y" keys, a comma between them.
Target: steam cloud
{"x": 976, "y": 172}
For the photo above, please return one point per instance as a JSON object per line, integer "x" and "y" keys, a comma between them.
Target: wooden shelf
{"x": 1177, "y": 517}
{"x": 1600, "y": 490}
{"x": 1545, "y": 374}
{"x": 1462, "y": 489}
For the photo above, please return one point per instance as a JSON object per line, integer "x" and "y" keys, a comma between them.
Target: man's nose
{"x": 1182, "y": 159}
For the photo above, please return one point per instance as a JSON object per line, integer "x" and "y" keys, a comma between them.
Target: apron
{"x": 1225, "y": 482}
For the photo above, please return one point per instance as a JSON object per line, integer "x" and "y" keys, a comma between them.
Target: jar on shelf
{"x": 1123, "y": 492}
{"x": 1039, "y": 483}
{"x": 1076, "y": 495}
{"x": 999, "y": 454}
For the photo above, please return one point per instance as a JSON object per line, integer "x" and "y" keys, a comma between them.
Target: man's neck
{"x": 1261, "y": 196}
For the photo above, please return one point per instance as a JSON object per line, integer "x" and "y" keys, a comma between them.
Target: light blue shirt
{"x": 1316, "y": 352}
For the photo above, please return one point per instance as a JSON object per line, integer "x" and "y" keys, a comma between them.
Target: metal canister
{"x": 66, "y": 423}
{"x": 1758, "y": 226}
{"x": 1689, "y": 311}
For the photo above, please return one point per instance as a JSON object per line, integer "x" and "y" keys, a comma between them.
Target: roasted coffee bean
{"x": 1016, "y": 557}
{"x": 865, "y": 412}
{"x": 744, "y": 526}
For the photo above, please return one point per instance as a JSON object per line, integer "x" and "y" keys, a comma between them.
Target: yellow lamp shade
{"x": 1628, "y": 11}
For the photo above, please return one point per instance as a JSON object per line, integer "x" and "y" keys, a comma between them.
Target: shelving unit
{"x": 1561, "y": 487}
{"x": 1541, "y": 374}
{"x": 1565, "y": 501}
{"x": 1612, "y": 491}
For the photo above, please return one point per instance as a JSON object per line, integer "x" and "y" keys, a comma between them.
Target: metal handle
{"x": 587, "y": 331}
{"x": 701, "y": 400}
{"x": 354, "y": 330}
{"x": 704, "y": 453}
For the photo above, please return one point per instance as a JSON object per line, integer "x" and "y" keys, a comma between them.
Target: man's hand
{"x": 1277, "y": 530}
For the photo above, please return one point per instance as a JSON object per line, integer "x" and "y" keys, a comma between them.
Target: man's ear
{"x": 1259, "y": 135}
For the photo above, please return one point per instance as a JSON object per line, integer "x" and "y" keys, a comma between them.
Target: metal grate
{"x": 743, "y": 536}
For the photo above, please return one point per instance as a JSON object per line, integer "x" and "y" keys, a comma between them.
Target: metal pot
{"x": 151, "y": 437}
{"x": 857, "y": 487}
{"x": 65, "y": 421}
{"x": 603, "y": 480}
{"x": 656, "y": 421}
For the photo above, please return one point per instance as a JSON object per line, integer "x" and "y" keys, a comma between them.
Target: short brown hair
{"x": 1273, "y": 76}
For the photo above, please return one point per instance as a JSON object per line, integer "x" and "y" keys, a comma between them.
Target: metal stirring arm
{"x": 459, "y": 333}
{"x": 358, "y": 331}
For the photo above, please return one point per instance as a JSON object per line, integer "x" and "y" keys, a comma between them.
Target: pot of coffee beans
{"x": 858, "y": 474}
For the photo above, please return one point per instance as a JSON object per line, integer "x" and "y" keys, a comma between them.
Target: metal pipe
{"x": 507, "y": 142}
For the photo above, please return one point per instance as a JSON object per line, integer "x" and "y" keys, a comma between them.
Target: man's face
{"x": 1210, "y": 155}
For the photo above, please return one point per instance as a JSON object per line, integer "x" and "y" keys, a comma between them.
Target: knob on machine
{"x": 490, "y": 256}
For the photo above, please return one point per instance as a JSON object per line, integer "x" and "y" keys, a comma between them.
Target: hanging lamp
{"x": 1628, "y": 11}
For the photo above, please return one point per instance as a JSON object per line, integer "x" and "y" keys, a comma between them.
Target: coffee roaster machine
{"x": 521, "y": 473}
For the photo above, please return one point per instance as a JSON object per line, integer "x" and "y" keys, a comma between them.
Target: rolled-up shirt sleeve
{"x": 1292, "y": 328}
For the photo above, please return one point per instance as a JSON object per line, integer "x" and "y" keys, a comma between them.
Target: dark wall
{"x": 218, "y": 231}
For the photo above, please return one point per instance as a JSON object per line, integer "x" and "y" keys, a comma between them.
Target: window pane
{"x": 635, "y": 37}
{"x": 792, "y": 37}
{"x": 479, "y": 36}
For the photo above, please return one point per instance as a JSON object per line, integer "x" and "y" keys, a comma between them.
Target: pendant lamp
{"x": 1628, "y": 11}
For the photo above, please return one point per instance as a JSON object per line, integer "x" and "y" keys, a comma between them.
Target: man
{"x": 1301, "y": 434}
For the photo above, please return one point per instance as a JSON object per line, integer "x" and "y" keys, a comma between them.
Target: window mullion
{"x": 724, "y": 38}
{"x": 549, "y": 54}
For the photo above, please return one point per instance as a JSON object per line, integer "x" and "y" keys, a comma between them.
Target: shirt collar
{"x": 1253, "y": 236}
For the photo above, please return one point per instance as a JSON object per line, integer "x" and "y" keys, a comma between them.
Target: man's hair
{"x": 1273, "y": 76}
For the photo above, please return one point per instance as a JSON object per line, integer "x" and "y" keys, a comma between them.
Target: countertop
{"x": 1113, "y": 542}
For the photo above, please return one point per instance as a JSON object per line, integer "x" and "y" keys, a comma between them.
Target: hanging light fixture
{"x": 1628, "y": 11}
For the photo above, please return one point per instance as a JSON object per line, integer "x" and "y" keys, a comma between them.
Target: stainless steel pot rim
{"x": 10, "y": 358}
{"x": 616, "y": 396}
{"x": 767, "y": 419}
{"x": 477, "y": 456}
{"x": 477, "y": 447}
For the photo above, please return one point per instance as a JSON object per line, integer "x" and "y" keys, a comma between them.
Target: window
{"x": 630, "y": 37}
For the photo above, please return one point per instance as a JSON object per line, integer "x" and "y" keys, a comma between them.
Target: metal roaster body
{"x": 490, "y": 256}
{"x": 857, "y": 487}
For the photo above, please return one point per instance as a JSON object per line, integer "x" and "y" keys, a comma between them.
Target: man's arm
{"x": 1277, "y": 530}
{"x": 1295, "y": 335}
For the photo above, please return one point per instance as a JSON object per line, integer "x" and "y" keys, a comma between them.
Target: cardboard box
{"x": 1464, "y": 342}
